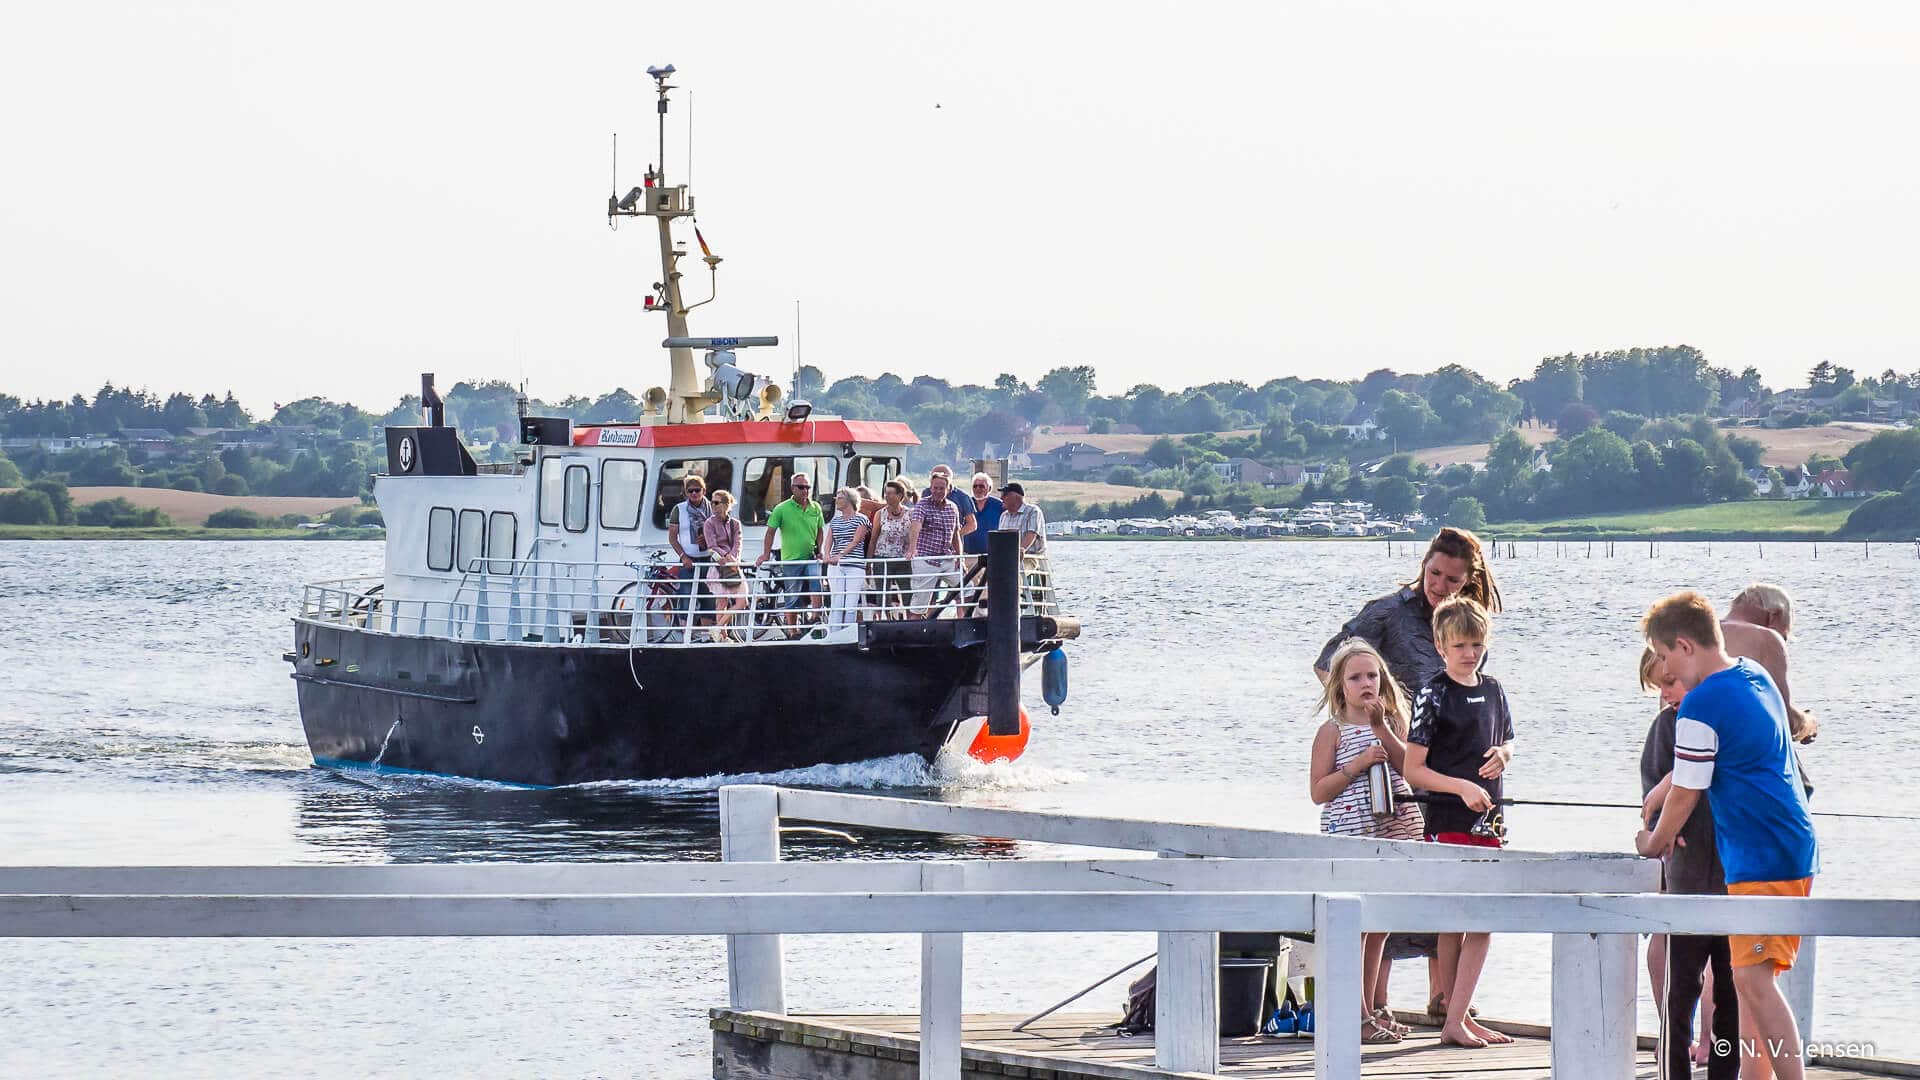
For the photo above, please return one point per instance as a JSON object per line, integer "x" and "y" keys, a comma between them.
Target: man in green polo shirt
{"x": 801, "y": 527}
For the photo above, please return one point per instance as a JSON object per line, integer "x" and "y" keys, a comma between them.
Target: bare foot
{"x": 1461, "y": 1035}
{"x": 1487, "y": 1035}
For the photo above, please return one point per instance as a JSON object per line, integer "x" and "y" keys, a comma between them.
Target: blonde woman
{"x": 727, "y": 582}
{"x": 846, "y": 562}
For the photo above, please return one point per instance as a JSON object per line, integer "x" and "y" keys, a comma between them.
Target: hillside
{"x": 194, "y": 507}
{"x": 1045, "y": 440}
{"x": 1784, "y": 446}
{"x": 1051, "y": 492}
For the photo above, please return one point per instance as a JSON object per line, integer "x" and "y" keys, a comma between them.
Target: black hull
{"x": 546, "y": 715}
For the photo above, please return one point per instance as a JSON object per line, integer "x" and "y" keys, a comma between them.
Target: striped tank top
{"x": 841, "y": 529}
{"x": 1351, "y": 812}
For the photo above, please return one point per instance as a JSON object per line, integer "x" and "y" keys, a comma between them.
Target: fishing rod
{"x": 1443, "y": 797}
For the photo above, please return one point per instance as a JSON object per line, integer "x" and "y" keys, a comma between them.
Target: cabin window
{"x": 502, "y": 541}
{"x": 440, "y": 538}
{"x": 579, "y": 483}
{"x": 550, "y": 490}
{"x": 623, "y": 483}
{"x": 873, "y": 472}
{"x": 471, "y": 542}
{"x": 717, "y": 472}
{"x": 766, "y": 479}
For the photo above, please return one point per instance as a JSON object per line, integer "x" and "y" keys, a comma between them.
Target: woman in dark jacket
{"x": 1400, "y": 625}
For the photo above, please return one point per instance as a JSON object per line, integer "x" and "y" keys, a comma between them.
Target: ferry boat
{"x": 531, "y": 625}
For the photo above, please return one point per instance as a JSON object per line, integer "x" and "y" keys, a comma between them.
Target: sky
{"x": 291, "y": 200}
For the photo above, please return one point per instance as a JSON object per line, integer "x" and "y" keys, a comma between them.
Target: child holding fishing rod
{"x": 1457, "y": 750}
{"x": 1360, "y": 699}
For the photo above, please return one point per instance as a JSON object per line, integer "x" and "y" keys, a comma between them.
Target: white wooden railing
{"x": 1338, "y": 888}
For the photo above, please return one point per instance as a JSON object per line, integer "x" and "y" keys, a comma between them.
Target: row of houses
{"x": 1083, "y": 461}
{"x": 159, "y": 442}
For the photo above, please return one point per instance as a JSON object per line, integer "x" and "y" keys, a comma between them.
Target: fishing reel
{"x": 1492, "y": 823}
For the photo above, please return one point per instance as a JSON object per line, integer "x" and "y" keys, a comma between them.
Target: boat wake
{"x": 949, "y": 773}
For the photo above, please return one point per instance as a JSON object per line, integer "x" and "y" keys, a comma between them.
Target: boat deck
{"x": 763, "y": 1046}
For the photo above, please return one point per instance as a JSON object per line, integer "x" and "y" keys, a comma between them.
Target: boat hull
{"x": 546, "y": 715}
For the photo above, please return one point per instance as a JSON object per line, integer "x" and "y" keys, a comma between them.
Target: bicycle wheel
{"x": 616, "y": 623}
{"x": 662, "y": 614}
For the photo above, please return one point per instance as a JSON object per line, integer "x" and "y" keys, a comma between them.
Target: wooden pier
{"x": 860, "y": 1046}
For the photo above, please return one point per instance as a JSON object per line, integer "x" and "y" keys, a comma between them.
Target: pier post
{"x": 750, "y": 832}
{"x": 1186, "y": 1003}
{"x": 942, "y": 965}
{"x": 1003, "y": 632}
{"x": 1594, "y": 991}
{"x": 1336, "y": 987}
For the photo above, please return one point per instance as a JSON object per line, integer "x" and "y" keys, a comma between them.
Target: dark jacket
{"x": 1401, "y": 627}
{"x": 1694, "y": 866}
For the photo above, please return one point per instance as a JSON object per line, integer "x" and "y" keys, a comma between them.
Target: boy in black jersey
{"x": 1457, "y": 750}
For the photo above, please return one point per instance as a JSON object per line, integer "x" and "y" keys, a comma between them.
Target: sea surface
{"x": 146, "y": 717}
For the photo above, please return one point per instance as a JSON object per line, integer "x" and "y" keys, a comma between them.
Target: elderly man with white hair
{"x": 1757, "y": 625}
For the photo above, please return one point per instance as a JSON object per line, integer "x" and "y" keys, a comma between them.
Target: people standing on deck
{"x": 986, "y": 515}
{"x": 1757, "y": 625}
{"x": 1025, "y": 518}
{"x": 846, "y": 566}
{"x": 800, "y": 526}
{"x": 1458, "y": 748}
{"x": 1732, "y": 744}
{"x": 685, "y": 531}
{"x": 1683, "y": 966}
{"x": 933, "y": 535}
{"x": 962, "y": 505}
{"x": 1359, "y": 695}
{"x": 892, "y": 564}
{"x": 726, "y": 581}
{"x": 1400, "y": 626}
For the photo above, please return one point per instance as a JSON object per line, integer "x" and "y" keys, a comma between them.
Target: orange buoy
{"x": 984, "y": 746}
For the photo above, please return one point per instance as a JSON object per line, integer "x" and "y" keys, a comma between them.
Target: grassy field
{"x": 192, "y": 508}
{"x": 1784, "y": 446}
{"x": 1045, "y": 440}
{"x": 179, "y": 532}
{"x": 1803, "y": 519}
{"x": 1074, "y": 491}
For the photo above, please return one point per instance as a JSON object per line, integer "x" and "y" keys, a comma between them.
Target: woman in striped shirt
{"x": 846, "y": 570}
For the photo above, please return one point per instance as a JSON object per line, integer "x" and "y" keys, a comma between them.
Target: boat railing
{"x": 658, "y": 602}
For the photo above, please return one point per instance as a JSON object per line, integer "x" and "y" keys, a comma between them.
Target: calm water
{"x": 146, "y": 717}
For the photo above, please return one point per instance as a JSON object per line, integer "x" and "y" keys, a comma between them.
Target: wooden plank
{"x": 1593, "y": 1005}
{"x": 941, "y": 986}
{"x": 1132, "y": 834}
{"x": 1337, "y": 990}
{"x": 750, "y": 832}
{"x": 1186, "y": 1003}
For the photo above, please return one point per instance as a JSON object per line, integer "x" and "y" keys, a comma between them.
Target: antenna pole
{"x": 662, "y": 110}
{"x": 689, "y": 138}
{"x": 796, "y": 348}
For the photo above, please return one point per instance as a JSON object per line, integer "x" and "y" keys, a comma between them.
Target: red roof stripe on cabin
{"x": 748, "y": 431}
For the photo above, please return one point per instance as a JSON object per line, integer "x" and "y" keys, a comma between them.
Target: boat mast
{"x": 687, "y": 400}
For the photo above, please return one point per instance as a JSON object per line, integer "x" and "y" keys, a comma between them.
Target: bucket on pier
{"x": 1243, "y": 994}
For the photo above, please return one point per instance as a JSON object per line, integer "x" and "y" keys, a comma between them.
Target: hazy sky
{"x": 286, "y": 200}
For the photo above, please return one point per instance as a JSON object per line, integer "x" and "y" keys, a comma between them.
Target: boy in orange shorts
{"x": 1731, "y": 741}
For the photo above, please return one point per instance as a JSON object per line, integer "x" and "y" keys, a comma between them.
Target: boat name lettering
{"x": 620, "y": 437}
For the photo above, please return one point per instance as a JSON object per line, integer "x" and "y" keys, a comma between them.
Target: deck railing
{"x": 658, "y": 603}
{"x": 754, "y": 898}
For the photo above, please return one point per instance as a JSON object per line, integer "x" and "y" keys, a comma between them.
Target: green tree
{"x": 1595, "y": 470}
{"x": 27, "y": 507}
{"x": 1746, "y": 451}
{"x": 9, "y": 473}
{"x": 1406, "y": 417}
{"x": 1885, "y": 462}
{"x": 1466, "y": 512}
{"x": 57, "y": 496}
{"x": 236, "y": 518}
{"x": 1163, "y": 452}
{"x": 1069, "y": 388}
{"x": 1125, "y": 475}
{"x": 1395, "y": 497}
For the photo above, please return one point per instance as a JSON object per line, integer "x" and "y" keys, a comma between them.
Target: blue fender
{"x": 1053, "y": 679}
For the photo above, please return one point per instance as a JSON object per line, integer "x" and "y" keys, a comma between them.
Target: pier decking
{"x": 863, "y": 1046}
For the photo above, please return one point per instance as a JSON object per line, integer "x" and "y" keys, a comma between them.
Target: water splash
{"x": 948, "y": 773}
{"x": 384, "y": 743}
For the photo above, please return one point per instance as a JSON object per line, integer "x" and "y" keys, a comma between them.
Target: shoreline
{"x": 183, "y": 532}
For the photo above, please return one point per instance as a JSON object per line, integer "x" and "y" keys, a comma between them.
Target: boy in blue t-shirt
{"x": 1731, "y": 741}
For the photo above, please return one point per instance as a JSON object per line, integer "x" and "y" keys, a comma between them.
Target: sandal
{"x": 1373, "y": 1031}
{"x": 1385, "y": 1018}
